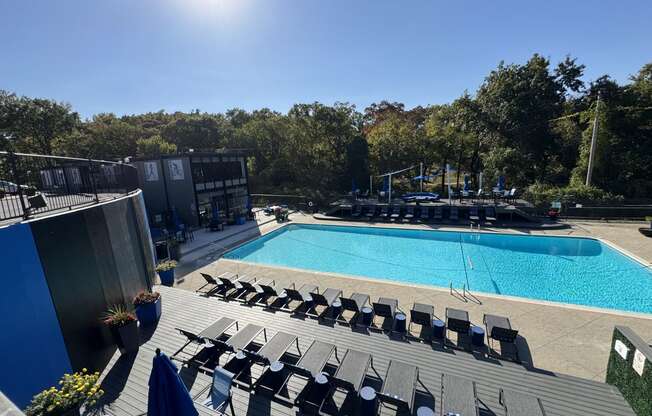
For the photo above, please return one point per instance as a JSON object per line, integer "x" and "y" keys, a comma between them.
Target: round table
{"x": 400, "y": 320}
{"x": 438, "y": 328}
{"x": 321, "y": 383}
{"x": 276, "y": 370}
{"x": 367, "y": 401}
{"x": 425, "y": 411}
{"x": 336, "y": 309}
{"x": 477, "y": 336}
{"x": 240, "y": 360}
{"x": 367, "y": 316}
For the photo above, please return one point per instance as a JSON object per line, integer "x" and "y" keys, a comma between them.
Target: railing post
{"x": 17, "y": 181}
{"x": 91, "y": 176}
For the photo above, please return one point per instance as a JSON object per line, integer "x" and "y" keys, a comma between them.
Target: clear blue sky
{"x": 133, "y": 56}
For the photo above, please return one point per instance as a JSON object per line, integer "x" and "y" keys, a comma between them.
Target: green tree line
{"x": 530, "y": 122}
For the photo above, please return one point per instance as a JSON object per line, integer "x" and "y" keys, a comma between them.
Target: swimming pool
{"x": 580, "y": 271}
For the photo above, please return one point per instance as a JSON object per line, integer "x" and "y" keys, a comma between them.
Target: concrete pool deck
{"x": 560, "y": 338}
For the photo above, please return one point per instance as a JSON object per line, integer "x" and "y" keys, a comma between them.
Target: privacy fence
{"x": 32, "y": 184}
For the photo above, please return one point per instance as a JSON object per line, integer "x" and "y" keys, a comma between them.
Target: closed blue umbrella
{"x": 501, "y": 183}
{"x": 467, "y": 184}
{"x": 168, "y": 396}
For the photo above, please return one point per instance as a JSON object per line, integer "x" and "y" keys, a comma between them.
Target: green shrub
{"x": 542, "y": 195}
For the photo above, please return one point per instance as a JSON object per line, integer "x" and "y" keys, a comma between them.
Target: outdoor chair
{"x": 457, "y": 320}
{"x": 357, "y": 211}
{"x": 409, "y": 213}
{"x": 500, "y": 329}
{"x": 301, "y": 295}
{"x": 439, "y": 214}
{"x": 354, "y": 304}
{"x": 490, "y": 214}
{"x": 400, "y": 385}
{"x": 241, "y": 339}
{"x": 425, "y": 213}
{"x": 396, "y": 212}
{"x": 422, "y": 314}
{"x": 371, "y": 212}
{"x": 228, "y": 280}
{"x": 386, "y": 308}
{"x": 520, "y": 404}
{"x": 458, "y": 396}
{"x": 210, "y": 280}
{"x": 384, "y": 212}
{"x": 454, "y": 214}
{"x": 264, "y": 291}
{"x": 214, "y": 332}
{"x": 219, "y": 394}
{"x": 474, "y": 214}
{"x": 325, "y": 299}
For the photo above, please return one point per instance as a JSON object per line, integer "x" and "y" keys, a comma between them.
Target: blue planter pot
{"x": 149, "y": 313}
{"x": 167, "y": 277}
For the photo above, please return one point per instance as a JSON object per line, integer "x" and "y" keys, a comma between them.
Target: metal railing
{"x": 33, "y": 184}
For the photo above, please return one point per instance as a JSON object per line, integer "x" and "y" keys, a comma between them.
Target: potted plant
{"x": 148, "y": 307}
{"x": 75, "y": 390}
{"x": 165, "y": 271}
{"x": 124, "y": 328}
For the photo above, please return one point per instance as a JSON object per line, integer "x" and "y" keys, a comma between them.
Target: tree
{"x": 154, "y": 146}
{"x": 34, "y": 123}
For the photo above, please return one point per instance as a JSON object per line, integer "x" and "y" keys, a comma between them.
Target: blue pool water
{"x": 570, "y": 270}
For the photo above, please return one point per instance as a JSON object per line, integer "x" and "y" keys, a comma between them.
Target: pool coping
{"x": 574, "y": 306}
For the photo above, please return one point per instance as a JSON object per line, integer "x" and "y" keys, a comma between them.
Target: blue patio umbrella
{"x": 168, "y": 396}
{"x": 501, "y": 183}
{"x": 354, "y": 187}
{"x": 467, "y": 183}
{"x": 386, "y": 184}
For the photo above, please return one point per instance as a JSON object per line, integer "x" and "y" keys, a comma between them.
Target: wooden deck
{"x": 125, "y": 379}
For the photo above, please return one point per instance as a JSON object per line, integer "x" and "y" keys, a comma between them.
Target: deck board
{"x": 125, "y": 381}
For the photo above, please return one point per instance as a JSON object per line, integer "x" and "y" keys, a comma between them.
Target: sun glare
{"x": 207, "y": 11}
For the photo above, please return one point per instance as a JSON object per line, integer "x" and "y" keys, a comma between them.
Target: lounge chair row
{"x": 458, "y": 395}
{"x": 417, "y": 213}
{"x": 332, "y": 304}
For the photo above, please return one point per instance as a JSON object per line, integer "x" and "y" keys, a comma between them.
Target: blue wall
{"x": 32, "y": 352}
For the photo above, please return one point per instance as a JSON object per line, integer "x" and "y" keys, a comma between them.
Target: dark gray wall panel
{"x": 92, "y": 258}
{"x": 145, "y": 238}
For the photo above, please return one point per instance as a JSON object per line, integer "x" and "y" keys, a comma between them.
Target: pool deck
{"x": 561, "y": 338}
{"x": 125, "y": 378}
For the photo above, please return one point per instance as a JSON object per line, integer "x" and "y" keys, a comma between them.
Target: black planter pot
{"x": 126, "y": 337}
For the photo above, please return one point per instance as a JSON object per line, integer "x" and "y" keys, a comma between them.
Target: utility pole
{"x": 594, "y": 139}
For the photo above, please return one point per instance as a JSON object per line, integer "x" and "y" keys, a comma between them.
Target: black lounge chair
{"x": 264, "y": 291}
{"x": 439, "y": 214}
{"x": 458, "y": 396}
{"x": 214, "y": 332}
{"x": 272, "y": 351}
{"x": 519, "y": 404}
{"x": 490, "y": 214}
{"x": 474, "y": 214}
{"x": 354, "y": 304}
{"x": 500, "y": 329}
{"x": 421, "y": 314}
{"x": 425, "y": 214}
{"x": 210, "y": 280}
{"x": 400, "y": 385}
{"x": 352, "y": 370}
{"x": 386, "y": 308}
{"x": 326, "y": 299}
{"x": 409, "y": 213}
{"x": 371, "y": 212}
{"x": 454, "y": 214}
{"x": 396, "y": 212}
{"x": 301, "y": 295}
{"x": 357, "y": 211}
{"x": 241, "y": 339}
{"x": 457, "y": 320}
{"x": 243, "y": 287}
{"x": 227, "y": 282}
{"x": 384, "y": 212}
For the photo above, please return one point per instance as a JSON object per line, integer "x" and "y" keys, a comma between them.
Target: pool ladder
{"x": 466, "y": 294}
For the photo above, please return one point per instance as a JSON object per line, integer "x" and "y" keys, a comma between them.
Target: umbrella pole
{"x": 421, "y": 177}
